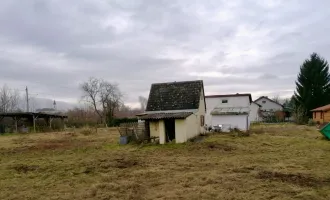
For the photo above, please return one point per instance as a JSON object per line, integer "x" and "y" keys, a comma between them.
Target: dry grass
{"x": 274, "y": 162}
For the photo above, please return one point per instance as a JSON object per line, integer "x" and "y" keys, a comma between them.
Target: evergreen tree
{"x": 312, "y": 85}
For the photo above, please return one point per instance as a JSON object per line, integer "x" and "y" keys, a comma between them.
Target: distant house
{"x": 268, "y": 104}
{"x": 229, "y": 111}
{"x": 270, "y": 110}
{"x": 254, "y": 115}
{"x": 175, "y": 111}
{"x": 321, "y": 114}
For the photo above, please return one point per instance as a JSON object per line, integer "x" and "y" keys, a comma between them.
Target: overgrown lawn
{"x": 275, "y": 162}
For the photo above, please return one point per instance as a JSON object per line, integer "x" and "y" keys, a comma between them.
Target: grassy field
{"x": 274, "y": 162}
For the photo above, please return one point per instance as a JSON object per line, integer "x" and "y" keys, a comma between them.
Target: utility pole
{"x": 27, "y": 99}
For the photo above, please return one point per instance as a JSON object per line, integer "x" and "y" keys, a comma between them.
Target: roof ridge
{"x": 177, "y": 82}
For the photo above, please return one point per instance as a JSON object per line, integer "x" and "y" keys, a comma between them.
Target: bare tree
{"x": 143, "y": 102}
{"x": 104, "y": 97}
{"x": 299, "y": 114}
{"x": 111, "y": 99}
{"x": 9, "y": 99}
{"x": 91, "y": 90}
{"x": 276, "y": 98}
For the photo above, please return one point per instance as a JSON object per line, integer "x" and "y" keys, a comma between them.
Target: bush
{"x": 87, "y": 131}
{"x": 118, "y": 121}
{"x": 239, "y": 133}
{"x": 311, "y": 122}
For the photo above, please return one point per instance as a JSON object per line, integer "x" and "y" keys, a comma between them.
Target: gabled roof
{"x": 230, "y": 95}
{"x": 322, "y": 108}
{"x": 256, "y": 104}
{"x": 264, "y": 97}
{"x": 175, "y": 96}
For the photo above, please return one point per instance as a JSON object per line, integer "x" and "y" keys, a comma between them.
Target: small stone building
{"x": 175, "y": 111}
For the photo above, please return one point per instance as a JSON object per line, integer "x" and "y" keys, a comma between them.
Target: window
{"x": 202, "y": 120}
{"x": 263, "y": 102}
{"x": 314, "y": 114}
{"x": 321, "y": 115}
{"x": 224, "y": 101}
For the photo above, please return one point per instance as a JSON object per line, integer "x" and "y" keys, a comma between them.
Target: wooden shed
{"x": 321, "y": 114}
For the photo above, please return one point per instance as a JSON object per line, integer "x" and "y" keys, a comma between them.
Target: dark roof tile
{"x": 175, "y": 96}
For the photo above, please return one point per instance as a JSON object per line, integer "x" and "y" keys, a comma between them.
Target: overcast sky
{"x": 235, "y": 46}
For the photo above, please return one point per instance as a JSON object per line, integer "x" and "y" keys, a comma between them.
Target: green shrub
{"x": 118, "y": 121}
{"x": 311, "y": 122}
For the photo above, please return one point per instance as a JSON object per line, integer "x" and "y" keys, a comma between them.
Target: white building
{"x": 229, "y": 111}
{"x": 254, "y": 115}
{"x": 268, "y": 104}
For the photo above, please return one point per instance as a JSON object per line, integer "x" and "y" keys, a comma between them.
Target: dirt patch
{"x": 298, "y": 179}
{"x": 106, "y": 165}
{"x": 22, "y": 168}
{"x": 53, "y": 144}
{"x": 216, "y": 146}
{"x": 124, "y": 163}
{"x": 63, "y": 143}
{"x": 117, "y": 190}
{"x": 244, "y": 169}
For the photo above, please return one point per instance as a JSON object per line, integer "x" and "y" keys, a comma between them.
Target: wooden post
{"x": 62, "y": 120}
{"x": 34, "y": 123}
{"x": 50, "y": 122}
{"x": 16, "y": 124}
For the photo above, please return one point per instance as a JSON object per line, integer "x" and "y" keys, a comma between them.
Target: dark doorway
{"x": 147, "y": 129}
{"x": 169, "y": 129}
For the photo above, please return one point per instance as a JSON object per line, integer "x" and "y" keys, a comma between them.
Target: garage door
{"x": 231, "y": 121}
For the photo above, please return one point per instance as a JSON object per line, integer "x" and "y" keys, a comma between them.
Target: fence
{"x": 134, "y": 130}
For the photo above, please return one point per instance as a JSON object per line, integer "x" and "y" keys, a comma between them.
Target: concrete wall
{"x": 192, "y": 126}
{"x": 254, "y": 113}
{"x": 154, "y": 128}
{"x": 268, "y": 105}
{"x": 180, "y": 131}
{"x": 157, "y": 128}
{"x": 235, "y": 101}
{"x": 233, "y": 121}
{"x": 162, "y": 137}
{"x": 201, "y": 112}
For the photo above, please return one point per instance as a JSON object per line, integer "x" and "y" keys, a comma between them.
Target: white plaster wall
{"x": 161, "y": 132}
{"x": 269, "y": 105}
{"x": 180, "y": 131}
{"x": 212, "y": 102}
{"x": 254, "y": 110}
{"x": 201, "y": 112}
{"x": 235, "y": 121}
{"x": 154, "y": 128}
{"x": 192, "y": 126}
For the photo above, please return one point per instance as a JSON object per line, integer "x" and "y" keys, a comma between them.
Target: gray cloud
{"x": 234, "y": 46}
{"x": 268, "y": 76}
